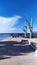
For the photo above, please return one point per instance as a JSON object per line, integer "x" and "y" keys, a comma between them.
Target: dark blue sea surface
{"x": 5, "y": 35}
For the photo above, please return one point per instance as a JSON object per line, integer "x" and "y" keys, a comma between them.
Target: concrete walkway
{"x": 17, "y": 53}
{"x": 27, "y": 59}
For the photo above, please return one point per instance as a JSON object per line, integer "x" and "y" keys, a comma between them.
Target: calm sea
{"x": 5, "y": 35}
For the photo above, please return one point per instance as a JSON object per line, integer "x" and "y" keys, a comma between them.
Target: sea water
{"x": 5, "y": 35}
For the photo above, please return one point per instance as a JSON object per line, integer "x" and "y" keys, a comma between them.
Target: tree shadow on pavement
{"x": 14, "y": 48}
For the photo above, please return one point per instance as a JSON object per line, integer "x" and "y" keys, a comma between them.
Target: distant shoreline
{"x": 15, "y": 35}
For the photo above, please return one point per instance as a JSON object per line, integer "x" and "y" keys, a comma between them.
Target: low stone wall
{"x": 33, "y": 45}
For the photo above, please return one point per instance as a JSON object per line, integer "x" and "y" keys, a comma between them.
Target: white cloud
{"x": 7, "y": 24}
{"x": 16, "y": 30}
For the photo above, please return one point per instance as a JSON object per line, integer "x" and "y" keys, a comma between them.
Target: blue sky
{"x": 14, "y": 12}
